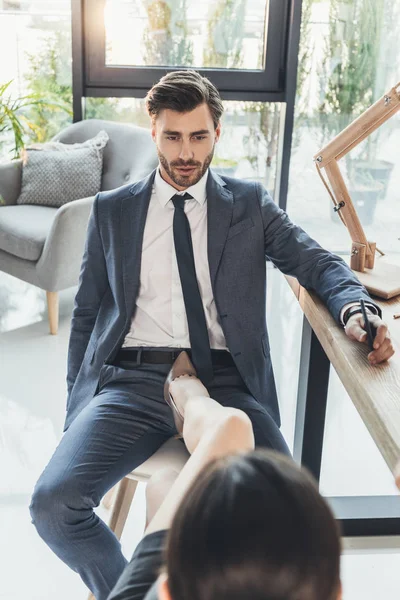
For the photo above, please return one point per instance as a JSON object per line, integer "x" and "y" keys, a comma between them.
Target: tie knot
{"x": 179, "y": 201}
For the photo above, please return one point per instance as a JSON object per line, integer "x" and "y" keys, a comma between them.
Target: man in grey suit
{"x": 174, "y": 261}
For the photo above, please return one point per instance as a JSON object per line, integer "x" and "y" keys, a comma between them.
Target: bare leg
{"x": 210, "y": 431}
{"x": 157, "y": 488}
{"x": 397, "y": 475}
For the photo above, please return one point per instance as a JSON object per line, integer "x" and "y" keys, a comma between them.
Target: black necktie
{"x": 198, "y": 334}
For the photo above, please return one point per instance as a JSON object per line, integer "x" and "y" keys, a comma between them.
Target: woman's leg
{"x": 157, "y": 488}
{"x": 209, "y": 431}
{"x": 397, "y": 475}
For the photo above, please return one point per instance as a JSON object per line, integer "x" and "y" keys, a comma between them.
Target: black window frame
{"x": 136, "y": 80}
{"x": 276, "y": 83}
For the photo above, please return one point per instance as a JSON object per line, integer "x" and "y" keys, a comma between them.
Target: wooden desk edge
{"x": 380, "y": 412}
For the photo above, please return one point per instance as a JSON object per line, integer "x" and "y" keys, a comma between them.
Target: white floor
{"x": 32, "y": 406}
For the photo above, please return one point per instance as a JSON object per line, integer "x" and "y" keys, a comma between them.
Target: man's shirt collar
{"x": 165, "y": 191}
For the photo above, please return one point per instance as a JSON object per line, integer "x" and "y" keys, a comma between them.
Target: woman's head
{"x": 253, "y": 526}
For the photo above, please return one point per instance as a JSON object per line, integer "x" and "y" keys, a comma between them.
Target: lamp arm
{"x": 360, "y": 128}
{"x": 363, "y": 251}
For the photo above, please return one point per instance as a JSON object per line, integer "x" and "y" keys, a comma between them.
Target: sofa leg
{"x": 52, "y": 308}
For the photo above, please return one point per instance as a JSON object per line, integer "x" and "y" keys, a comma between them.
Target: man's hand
{"x": 383, "y": 348}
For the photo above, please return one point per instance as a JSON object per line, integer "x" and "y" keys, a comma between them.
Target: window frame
{"x": 100, "y": 79}
{"x": 83, "y": 55}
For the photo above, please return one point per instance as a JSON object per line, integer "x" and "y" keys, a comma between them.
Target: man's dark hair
{"x": 253, "y": 526}
{"x": 183, "y": 91}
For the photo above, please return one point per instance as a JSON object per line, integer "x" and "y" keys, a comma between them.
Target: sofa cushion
{"x": 122, "y": 162}
{"x": 23, "y": 229}
{"x": 54, "y": 173}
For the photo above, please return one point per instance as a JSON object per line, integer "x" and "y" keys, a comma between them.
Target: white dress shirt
{"x": 160, "y": 316}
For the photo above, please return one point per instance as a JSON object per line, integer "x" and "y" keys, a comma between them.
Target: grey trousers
{"x": 123, "y": 425}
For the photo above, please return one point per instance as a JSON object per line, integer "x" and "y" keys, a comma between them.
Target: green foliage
{"x": 116, "y": 109}
{"x": 165, "y": 37}
{"x": 224, "y": 162}
{"x": 350, "y": 62}
{"x": 225, "y": 31}
{"x": 262, "y": 139}
{"x": 306, "y": 49}
{"x": 102, "y": 108}
{"x": 15, "y": 118}
{"x": 49, "y": 77}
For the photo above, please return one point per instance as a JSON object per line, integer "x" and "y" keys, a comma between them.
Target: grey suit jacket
{"x": 244, "y": 227}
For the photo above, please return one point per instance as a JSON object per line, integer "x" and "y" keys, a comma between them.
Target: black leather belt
{"x": 137, "y": 356}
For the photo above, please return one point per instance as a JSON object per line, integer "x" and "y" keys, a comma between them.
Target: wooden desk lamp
{"x": 380, "y": 278}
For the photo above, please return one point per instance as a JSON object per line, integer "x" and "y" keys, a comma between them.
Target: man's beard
{"x": 186, "y": 180}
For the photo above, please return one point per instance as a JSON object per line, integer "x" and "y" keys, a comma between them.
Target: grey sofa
{"x": 44, "y": 245}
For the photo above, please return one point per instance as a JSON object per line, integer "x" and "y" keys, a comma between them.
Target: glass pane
{"x": 349, "y": 57}
{"x": 227, "y": 34}
{"x": 353, "y": 467}
{"x": 248, "y": 145}
{"x": 36, "y": 6}
{"x": 36, "y": 39}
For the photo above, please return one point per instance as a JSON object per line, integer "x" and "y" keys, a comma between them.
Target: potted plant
{"x": 14, "y": 120}
{"x": 376, "y": 169}
{"x": 364, "y": 194}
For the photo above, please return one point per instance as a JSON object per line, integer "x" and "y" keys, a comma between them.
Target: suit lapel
{"x": 133, "y": 220}
{"x": 133, "y": 217}
{"x": 219, "y": 217}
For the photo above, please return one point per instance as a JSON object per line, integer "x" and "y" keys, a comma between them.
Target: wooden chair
{"x": 171, "y": 454}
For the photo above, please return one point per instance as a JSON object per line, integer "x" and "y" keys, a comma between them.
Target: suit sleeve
{"x": 93, "y": 283}
{"x": 295, "y": 253}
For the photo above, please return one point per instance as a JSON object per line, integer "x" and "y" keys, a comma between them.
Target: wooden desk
{"x": 375, "y": 392}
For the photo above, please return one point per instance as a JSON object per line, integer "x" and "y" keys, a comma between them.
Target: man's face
{"x": 185, "y": 144}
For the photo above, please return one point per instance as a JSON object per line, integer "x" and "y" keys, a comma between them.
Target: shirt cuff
{"x": 371, "y": 307}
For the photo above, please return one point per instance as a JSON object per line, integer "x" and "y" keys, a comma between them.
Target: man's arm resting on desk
{"x": 295, "y": 253}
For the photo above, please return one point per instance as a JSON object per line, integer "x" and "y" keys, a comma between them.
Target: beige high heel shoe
{"x": 182, "y": 366}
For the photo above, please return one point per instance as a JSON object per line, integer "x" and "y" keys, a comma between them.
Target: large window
{"x": 244, "y": 47}
{"x": 188, "y": 33}
{"x": 349, "y": 57}
{"x": 241, "y": 44}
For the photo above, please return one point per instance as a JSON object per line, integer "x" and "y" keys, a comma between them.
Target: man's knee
{"x": 44, "y": 504}
{"x": 54, "y": 501}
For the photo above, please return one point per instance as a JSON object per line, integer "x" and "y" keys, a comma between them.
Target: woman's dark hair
{"x": 253, "y": 526}
{"x": 183, "y": 91}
